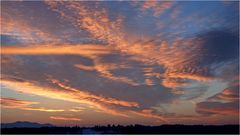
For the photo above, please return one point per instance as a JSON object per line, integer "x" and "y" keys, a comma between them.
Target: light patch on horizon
{"x": 64, "y": 118}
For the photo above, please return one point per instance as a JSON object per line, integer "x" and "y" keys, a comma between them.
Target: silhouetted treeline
{"x": 131, "y": 129}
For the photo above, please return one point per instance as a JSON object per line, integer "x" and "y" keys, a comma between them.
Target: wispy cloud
{"x": 155, "y": 6}
{"x": 19, "y": 29}
{"x": 74, "y": 95}
{"x": 42, "y": 109}
{"x": 98, "y": 24}
{"x": 104, "y": 69}
{"x": 15, "y": 103}
{"x": 25, "y": 105}
{"x": 89, "y": 96}
{"x": 64, "y": 118}
{"x": 225, "y": 102}
{"x": 228, "y": 94}
{"x": 77, "y": 109}
{"x": 70, "y": 94}
{"x": 217, "y": 108}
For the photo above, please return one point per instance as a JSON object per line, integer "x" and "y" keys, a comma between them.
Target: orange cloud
{"x": 77, "y": 109}
{"x": 104, "y": 69}
{"x": 149, "y": 72}
{"x": 98, "y": 24}
{"x": 42, "y": 109}
{"x": 83, "y": 50}
{"x": 89, "y": 96}
{"x": 70, "y": 94}
{"x": 191, "y": 76}
{"x": 149, "y": 82}
{"x": 22, "y": 30}
{"x": 15, "y": 103}
{"x": 84, "y": 67}
{"x": 228, "y": 94}
{"x": 75, "y": 95}
{"x": 150, "y": 76}
{"x": 149, "y": 114}
{"x": 64, "y": 118}
{"x": 179, "y": 60}
{"x": 226, "y": 102}
{"x": 24, "y": 105}
{"x": 218, "y": 108}
{"x": 173, "y": 82}
{"x": 158, "y": 7}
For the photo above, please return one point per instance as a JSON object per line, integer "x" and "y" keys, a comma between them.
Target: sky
{"x": 120, "y": 62}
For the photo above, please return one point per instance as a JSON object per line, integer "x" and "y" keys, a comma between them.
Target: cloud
{"x": 42, "y": 109}
{"x": 98, "y": 24}
{"x": 91, "y": 81}
{"x": 97, "y": 59}
{"x": 84, "y": 67}
{"x": 105, "y": 105}
{"x": 226, "y": 102}
{"x": 23, "y": 32}
{"x": 179, "y": 61}
{"x": 149, "y": 114}
{"x": 173, "y": 82}
{"x": 64, "y": 118}
{"x": 24, "y": 105}
{"x": 157, "y": 7}
{"x": 15, "y": 103}
{"x": 105, "y": 70}
{"x": 228, "y": 94}
{"x": 218, "y": 108}
{"x": 69, "y": 94}
{"x": 92, "y": 97}
{"x": 77, "y": 109}
{"x": 82, "y": 50}
{"x": 189, "y": 59}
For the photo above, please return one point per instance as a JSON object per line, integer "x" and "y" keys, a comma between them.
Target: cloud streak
{"x": 83, "y": 50}
{"x": 156, "y": 6}
{"x": 64, "y": 118}
{"x": 15, "y": 103}
{"x": 74, "y": 95}
{"x": 42, "y": 109}
{"x": 70, "y": 94}
{"x": 226, "y": 102}
{"x": 25, "y": 105}
{"x": 218, "y": 108}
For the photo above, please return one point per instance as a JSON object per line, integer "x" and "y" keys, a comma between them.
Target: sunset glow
{"x": 91, "y": 63}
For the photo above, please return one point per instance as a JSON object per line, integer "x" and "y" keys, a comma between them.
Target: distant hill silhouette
{"x": 24, "y": 124}
{"x": 36, "y": 128}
